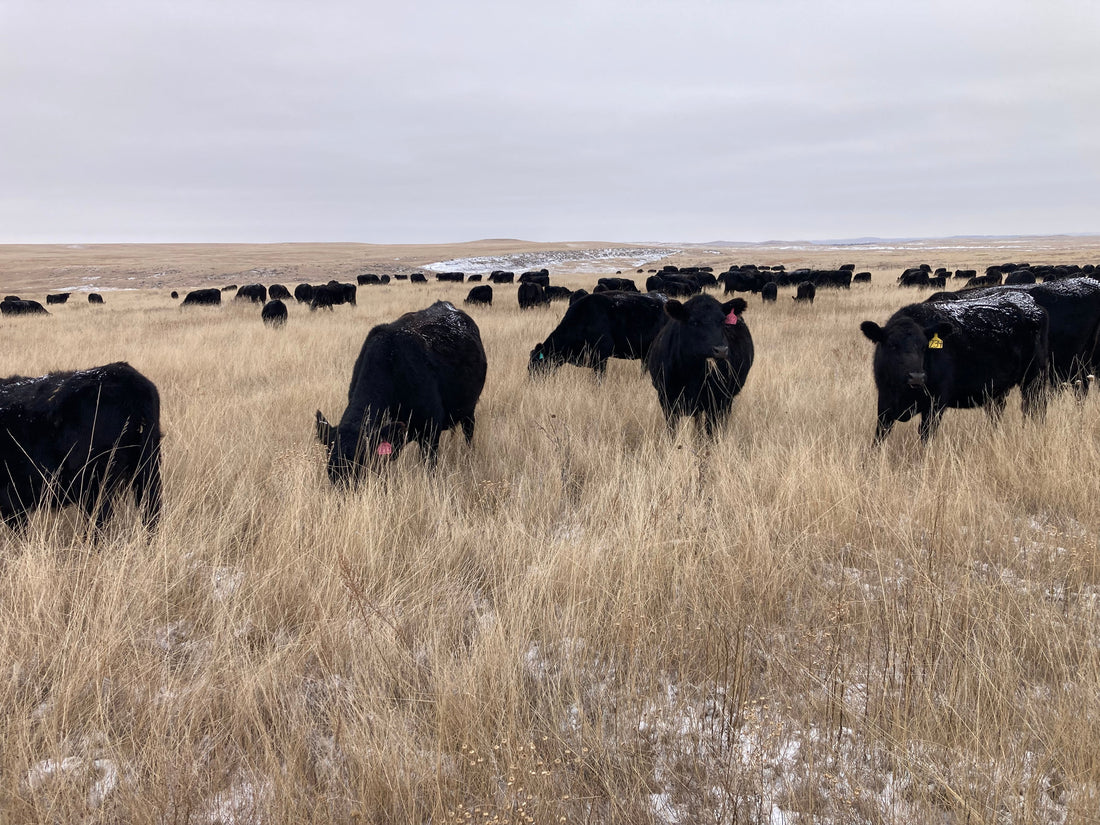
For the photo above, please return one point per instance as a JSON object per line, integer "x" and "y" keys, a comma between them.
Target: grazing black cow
{"x": 57, "y": 298}
{"x": 1073, "y": 307}
{"x": 531, "y": 295}
{"x": 414, "y": 378}
{"x": 557, "y": 293}
{"x": 576, "y": 295}
{"x": 95, "y": 298}
{"x": 540, "y": 277}
{"x": 367, "y": 278}
{"x": 451, "y": 277}
{"x": 18, "y": 307}
{"x": 400, "y": 276}
{"x": 474, "y": 279}
{"x": 256, "y": 293}
{"x": 615, "y": 284}
{"x": 964, "y": 353}
{"x": 303, "y": 293}
{"x": 600, "y": 326}
{"x": 499, "y": 276}
{"x": 278, "y": 292}
{"x": 769, "y": 292}
{"x": 229, "y": 288}
{"x": 993, "y": 277}
{"x": 805, "y": 291}
{"x": 79, "y": 438}
{"x": 174, "y": 294}
{"x": 861, "y": 278}
{"x": 480, "y": 295}
{"x": 672, "y": 285}
{"x": 1019, "y": 276}
{"x": 202, "y": 297}
{"x": 418, "y": 278}
{"x": 700, "y": 360}
{"x": 274, "y": 313}
{"x": 334, "y": 293}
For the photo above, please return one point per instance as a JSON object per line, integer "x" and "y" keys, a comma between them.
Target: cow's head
{"x": 703, "y": 322}
{"x": 543, "y": 360}
{"x": 902, "y": 350}
{"x": 349, "y": 457}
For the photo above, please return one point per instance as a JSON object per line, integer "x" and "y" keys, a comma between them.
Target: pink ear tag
{"x": 385, "y": 448}
{"x": 731, "y": 319}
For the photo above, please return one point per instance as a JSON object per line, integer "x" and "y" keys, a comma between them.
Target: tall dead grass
{"x": 581, "y": 619}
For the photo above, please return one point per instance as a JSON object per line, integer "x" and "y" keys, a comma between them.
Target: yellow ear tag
{"x": 936, "y": 342}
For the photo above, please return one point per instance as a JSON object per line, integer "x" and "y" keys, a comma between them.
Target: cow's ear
{"x": 737, "y": 306}
{"x": 872, "y": 330}
{"x": 325, "y": 432}
{"x": 675, "y": 310}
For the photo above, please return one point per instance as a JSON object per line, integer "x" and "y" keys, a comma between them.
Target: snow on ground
{"x": 572, "y": 260}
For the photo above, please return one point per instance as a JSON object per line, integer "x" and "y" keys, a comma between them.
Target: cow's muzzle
{"x": 917, "y": 379}
{"x": 720, "y": 352}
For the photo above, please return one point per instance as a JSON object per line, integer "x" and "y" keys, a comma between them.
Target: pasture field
{"x": 580, "y": 619}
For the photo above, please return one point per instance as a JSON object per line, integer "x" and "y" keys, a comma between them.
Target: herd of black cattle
{"x": 89, "y": 436}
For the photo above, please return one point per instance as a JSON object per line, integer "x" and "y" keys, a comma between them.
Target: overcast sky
{"x": 620, "y": 120}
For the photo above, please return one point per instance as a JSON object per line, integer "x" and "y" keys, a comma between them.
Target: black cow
{"x": 57, "y": 298}
{"x": 473, "y": 279}
{"x": 418, "y": 278}
{"x": 1073, "y": 306}
{"x": 539, "y": 276}
{"x": 274, "y": 313}
{"x": 600, "y": 326}
{"x": 12, "y": 298}
{"x": 1019, "y": 276}
{"x": 334, "y": 293}
{"x": 174, "y": 294}
{"x": 993, "y": 277}
{"x": 499, "y": 276}
{"x": 769, "y": 292}
{"x": 202, "y": 297}
{"x": 303, "y": 293}
{"x": 414, "y": 378}
{"x": 557, "y": 293}
{"x": 95, "y": 298}
{"x": 700, "y": 360}
{"x": 672, "y": 285}
{"x": 805, "y": 291}
{"x": 229, "y": 287}
{"x": 576, "y": 295}
{"x": 531, "y": 295}
{"x": 367, "y": 278}
{"x": 480, "y": 295}
{"x": 256, "y": 293}
{"x": 79, "y": 438}
{"x": 18, "y": 307}
{"x": 615, "y": 284}
{"x": 401, "y": 276}
{"x": 278, "y": 292}
{"x": 965, "y": 353}
{"x": 861, "y": 278}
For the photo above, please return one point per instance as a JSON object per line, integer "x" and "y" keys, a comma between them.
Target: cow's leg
{"x": 468, "y": 429}
{"x": 930, "y": 422}
{"x": 883, "y": 425}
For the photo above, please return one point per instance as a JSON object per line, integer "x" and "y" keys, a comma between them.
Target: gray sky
{"x": 620, "y": 120}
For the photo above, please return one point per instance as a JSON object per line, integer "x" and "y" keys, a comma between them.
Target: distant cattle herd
{"x": 89, "y": 436}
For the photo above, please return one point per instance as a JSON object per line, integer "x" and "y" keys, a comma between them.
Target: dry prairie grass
{"x": 580, "y": 619}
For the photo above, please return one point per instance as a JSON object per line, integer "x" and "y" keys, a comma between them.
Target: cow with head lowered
{"x": 414, "y": 378}
{"x": 598, "y": 327}
{"x": 81, "y": 438}
{"x": 961, "y": 354}
{"x": 700, "y": 360}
